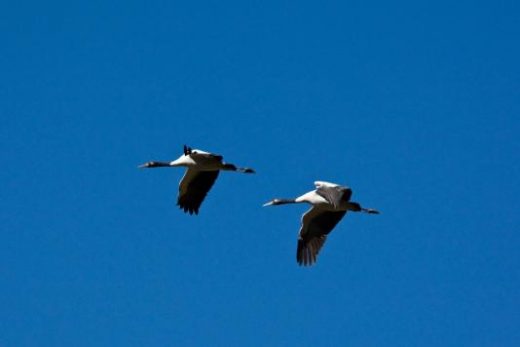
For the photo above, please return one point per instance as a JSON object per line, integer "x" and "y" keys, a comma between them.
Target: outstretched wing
{"x": 316, "y": 224}
{"x": 334, "y": 194}
{"x": 193, "y": 188}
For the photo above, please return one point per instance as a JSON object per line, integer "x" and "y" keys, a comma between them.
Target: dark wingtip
{"x": 303, "y": 256}
{"x": 188, "y": 210}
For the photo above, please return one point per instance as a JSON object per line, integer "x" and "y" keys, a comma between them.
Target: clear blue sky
{"x": 415, "y": 105}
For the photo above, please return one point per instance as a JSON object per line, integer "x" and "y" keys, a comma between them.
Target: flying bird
{"x": 202, "y": 172}
{"x": 330, "y": 202}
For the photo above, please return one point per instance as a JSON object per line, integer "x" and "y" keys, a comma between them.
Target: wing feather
{"x": 334, "y": 194}
{"x": 316, "y": 225}
{"x": 193, "y": 188}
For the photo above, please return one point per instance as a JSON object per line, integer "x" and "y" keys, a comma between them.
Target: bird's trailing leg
{"x": 356, "y": 207}
{"x": 246, "y": 170}
{"x": 231, "y": 167}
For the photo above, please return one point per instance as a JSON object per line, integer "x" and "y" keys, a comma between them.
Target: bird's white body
{"x": 314, "y": 199}
{"x": 200, "y": 160}
{"x": 183, "y": 160}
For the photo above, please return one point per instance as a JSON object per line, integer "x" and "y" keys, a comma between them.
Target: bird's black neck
{"x": 283, "y": 201}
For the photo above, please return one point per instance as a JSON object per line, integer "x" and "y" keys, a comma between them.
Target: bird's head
{"x": 271, "y": 203}
{"x": 147, "y": 165}
{"x": 275, "y": 202}
{"x": 152, "y": 164}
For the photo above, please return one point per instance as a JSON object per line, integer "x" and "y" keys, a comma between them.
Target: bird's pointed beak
{"x": 142, "y": 166}
{"x": 270, "y": 203}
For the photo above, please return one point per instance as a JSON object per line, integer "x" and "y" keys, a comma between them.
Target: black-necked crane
{"x": 330, "y": 202}
{"x": 203, "y": 169}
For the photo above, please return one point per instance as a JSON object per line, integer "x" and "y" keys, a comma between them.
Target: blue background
{"x": 415, "y": 105}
